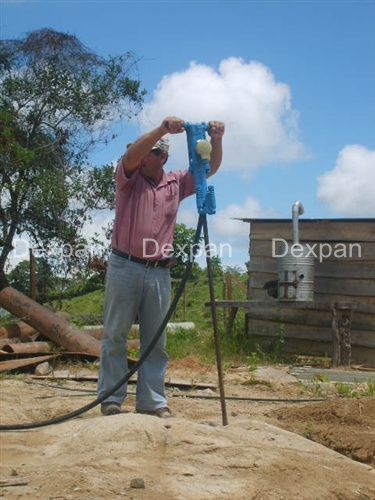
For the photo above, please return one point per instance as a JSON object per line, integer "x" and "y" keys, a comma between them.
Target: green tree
{"x": 183, "y": 243}
{"x": 216, "y": 267}
{"x": 19, "y": 278}
{"x": 236, "y": 271}
{"x": 58, "y": 100}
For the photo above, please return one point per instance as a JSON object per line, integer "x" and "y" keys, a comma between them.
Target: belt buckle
{"x": 151, "y": 263}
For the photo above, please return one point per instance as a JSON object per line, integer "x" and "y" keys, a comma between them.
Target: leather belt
{"x": 144, "y": 262}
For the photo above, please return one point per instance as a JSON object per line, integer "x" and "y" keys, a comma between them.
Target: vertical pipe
{"x": 297, "y": 210}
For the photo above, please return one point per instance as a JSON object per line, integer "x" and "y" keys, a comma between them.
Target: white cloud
{"x": 188, "y": 217}
{"x": 224, "y": 224}
{"x": 350, "y": 187}
{"x": 101, "y": 220}
{"x": 261, "y": 125}
{"x": 225, "y": 232}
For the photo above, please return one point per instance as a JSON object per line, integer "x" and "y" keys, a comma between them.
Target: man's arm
{"x": 142, "y": 146}
{"x": 216, "y": 132}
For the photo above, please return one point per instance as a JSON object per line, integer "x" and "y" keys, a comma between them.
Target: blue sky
{"x": 294, "y": 83}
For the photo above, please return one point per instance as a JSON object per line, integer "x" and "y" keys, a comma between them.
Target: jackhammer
{"x": 199, "y": 149}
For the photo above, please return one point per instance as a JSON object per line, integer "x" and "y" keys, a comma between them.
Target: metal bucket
{"x": 296, "y": 275}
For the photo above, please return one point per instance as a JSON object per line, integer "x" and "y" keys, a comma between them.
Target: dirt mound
{"x": 192, "y": 456}
{"x": 344, "y": 425}
{"x": 248, "y": 459}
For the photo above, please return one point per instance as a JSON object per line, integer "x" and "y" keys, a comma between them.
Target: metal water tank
{"x": 296, "y": 266}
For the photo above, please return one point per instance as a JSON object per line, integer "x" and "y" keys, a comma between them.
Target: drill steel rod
{"x": 214, "y": 323}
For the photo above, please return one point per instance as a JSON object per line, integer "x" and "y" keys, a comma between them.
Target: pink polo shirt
{"x": 146, "y": 214}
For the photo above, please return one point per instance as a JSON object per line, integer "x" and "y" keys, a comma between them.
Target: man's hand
{"x": 216, "y": 130}
{"x": 173, "y": 125}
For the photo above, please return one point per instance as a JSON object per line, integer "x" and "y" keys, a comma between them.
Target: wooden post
{"x": 32, "y": 275}
{"x": 225, "y": 298}
{"x": 336, "y": 347}
{"x": 232, "y": 317}
{"x": 233, "y": 310}
{"x": 184, "y": 302}
{"x": 228, "y": 278}
{"x": 342, "y": 313}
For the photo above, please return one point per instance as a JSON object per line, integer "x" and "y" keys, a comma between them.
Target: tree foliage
{"x": 19, "y": 278}
{"x": 183, "y": 248}
{"x": 58, "y": 100}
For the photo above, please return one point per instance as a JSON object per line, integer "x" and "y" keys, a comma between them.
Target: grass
{"x": 308, "y": 432}
{"x": 319, "y": 386}
{"x": 349, "y": 390}
{"x": 236, "y": 349}
{"x": 89, "y": 305}
{"x": 191, "y": 306}
{"x": 370, "y": 388}
{"x": 254, "y": 381}
{"x": 183, "y": 343}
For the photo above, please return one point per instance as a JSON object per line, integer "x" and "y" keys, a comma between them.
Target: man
{"x": 147, "y": 201}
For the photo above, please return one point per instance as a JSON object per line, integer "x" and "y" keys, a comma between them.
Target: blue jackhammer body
{"x": 199, "y": 155}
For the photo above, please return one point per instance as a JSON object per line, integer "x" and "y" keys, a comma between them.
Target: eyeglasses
{"x": 157, "y": 152}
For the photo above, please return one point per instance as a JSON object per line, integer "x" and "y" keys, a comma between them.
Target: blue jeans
{"x": 132, "y": 289}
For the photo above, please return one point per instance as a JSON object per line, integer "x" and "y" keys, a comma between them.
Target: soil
{"x": 276, "y": 445}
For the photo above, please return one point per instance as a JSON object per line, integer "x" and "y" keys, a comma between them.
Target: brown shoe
{"x": 110, "y": 408}
{"x": 159, "y": 412}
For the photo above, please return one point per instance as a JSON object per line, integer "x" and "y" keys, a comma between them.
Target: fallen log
{"x": 47, "y": 322}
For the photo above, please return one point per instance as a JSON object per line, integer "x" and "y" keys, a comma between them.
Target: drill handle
{"x": 199, "y": 149}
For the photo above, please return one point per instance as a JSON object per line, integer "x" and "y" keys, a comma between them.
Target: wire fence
{"x": 196, "y": 295}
